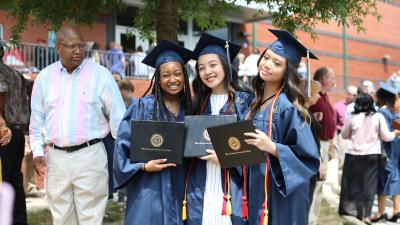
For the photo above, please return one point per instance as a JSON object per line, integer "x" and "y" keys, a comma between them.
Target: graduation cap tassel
{"x": 264, "y": 214}
{"x": 228, "y": 197}
{"x": 244, "y": 196}
{"x": 184, "y": 217}
{"x": 223, "y": 212}
{"x": 184, "y": 211}
{"x": 308, "y": 86}
{"x": 226, "y": 204}
{"x": 229, "y": 59}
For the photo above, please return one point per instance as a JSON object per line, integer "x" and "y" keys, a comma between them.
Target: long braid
{"x": 186, "y": 96}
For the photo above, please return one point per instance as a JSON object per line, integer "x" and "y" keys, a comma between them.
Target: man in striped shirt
{"x": 75, "y": 103}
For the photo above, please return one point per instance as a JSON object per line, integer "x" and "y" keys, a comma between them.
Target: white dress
{"x": 213, "y": 194}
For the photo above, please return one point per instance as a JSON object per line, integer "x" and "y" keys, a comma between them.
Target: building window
{"x": 1, "y": 32}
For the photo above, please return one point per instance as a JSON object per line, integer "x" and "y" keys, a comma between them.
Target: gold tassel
{"x": 228, "y": 205}
{"x": 265, "y": 222}
{"x": 184, "y": 211}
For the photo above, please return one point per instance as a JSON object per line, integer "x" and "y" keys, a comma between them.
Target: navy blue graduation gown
{"x": 288, "y": 183}
{"x": 197, "y": 180}
{"x": 153, "y": 198}
{"x": 389, "y": 173}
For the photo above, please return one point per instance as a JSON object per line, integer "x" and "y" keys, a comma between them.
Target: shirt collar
{"x": 62, "y": 68}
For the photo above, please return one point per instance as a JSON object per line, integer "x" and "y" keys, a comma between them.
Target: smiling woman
{"x": 155, "y": 187}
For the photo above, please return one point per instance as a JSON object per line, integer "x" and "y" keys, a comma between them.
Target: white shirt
{"x": 365, "y": 133}
{"x": 250, "y": 64}
{"x": 213, "y": 194}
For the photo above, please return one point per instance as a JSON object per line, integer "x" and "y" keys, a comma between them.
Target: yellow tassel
{"x": 184, "y": 211}
{"x": 228, "y": 205}
{"x": 265, "y": 217}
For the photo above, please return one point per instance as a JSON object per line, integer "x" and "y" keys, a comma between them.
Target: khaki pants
{"x": 317, "y": 196}
{"x": 77, "y": 185}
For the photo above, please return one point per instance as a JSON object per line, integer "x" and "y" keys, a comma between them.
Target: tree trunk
{"x": 167, "y": 20}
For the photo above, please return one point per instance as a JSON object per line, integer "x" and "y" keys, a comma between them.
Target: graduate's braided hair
{"x": 160, "y": 111}
{"x": 291, "y": 81}
{"x": 201, "y": 91}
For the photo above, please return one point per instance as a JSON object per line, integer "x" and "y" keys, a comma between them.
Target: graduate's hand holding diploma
{"x": 262, "y": 142}
{"x": 212, "y": 156}
{"x": 156, "y": 165}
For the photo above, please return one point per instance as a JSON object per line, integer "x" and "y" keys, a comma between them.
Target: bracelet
{"x": 144, "y": 167}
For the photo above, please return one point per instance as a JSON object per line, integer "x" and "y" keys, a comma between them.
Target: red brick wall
{"x": 386, "y": 30}
{"x": 97, "y": 32}
{"x": 140, "y": 87}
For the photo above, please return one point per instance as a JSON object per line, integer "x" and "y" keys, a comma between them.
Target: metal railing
{"x": 34, "y": 57}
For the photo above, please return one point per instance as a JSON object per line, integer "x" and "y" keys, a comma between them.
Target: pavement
{"x": 330, "y": 192}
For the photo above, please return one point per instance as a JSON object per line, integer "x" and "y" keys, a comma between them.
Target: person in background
{"x": 250, "y": 65}
{"x": 115, "y": 59}
{"x": 389, "y": 173}
{"x": 117, "y": 73}
{"x": 127, "y": 89}
{"x": 394, "y": 80}
{"x": 365, "y": 129}
{"x": 137, "y": 68}
{"x": 326, "y": 115}
{"x": 340, "y": 108}
{"x": 315, "y": 128}
{"x": 14, "y": 118}
{"x": 72, "y": 116}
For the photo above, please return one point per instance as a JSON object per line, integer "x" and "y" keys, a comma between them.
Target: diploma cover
{"x": 229, "y": 144}
{"x": 157, "y": 140}
{"x": 197, "y": 138}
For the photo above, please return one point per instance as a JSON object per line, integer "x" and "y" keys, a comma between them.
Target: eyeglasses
{"x": 73, "y": 46}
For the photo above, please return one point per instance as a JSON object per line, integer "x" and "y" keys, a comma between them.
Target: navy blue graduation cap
{"x": 167, "y": 51}
{"x": 388, "y": 88}
{"x": 209, "y": 44}
{"x": 289, "y": 47}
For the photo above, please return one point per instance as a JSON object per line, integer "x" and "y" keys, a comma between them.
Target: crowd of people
{"x": 80, "y": 135}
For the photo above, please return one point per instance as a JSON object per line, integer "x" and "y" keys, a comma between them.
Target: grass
{"x": 114, "y": 212}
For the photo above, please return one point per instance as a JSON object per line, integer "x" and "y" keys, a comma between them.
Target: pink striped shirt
{"x": 70, "y": 109}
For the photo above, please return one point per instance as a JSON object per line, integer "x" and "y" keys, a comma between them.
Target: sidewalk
{"x": 331, "y": 194}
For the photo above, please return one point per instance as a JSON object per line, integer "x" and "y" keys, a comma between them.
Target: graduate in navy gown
{"x": 214, "y": 196}
{"x": 155, "y": 188}
{"x": 388, "y": 98}
{"x": 283, "y": 133}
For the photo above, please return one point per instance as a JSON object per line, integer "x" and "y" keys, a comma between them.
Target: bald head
{"x": 351, "y": 94}
{"x": 67, "y": 32}
{"x": 70, "y": 47}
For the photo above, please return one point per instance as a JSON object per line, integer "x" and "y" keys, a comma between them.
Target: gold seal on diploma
{"x": 234, "y": 143}
{"x": 156, "y": 140}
